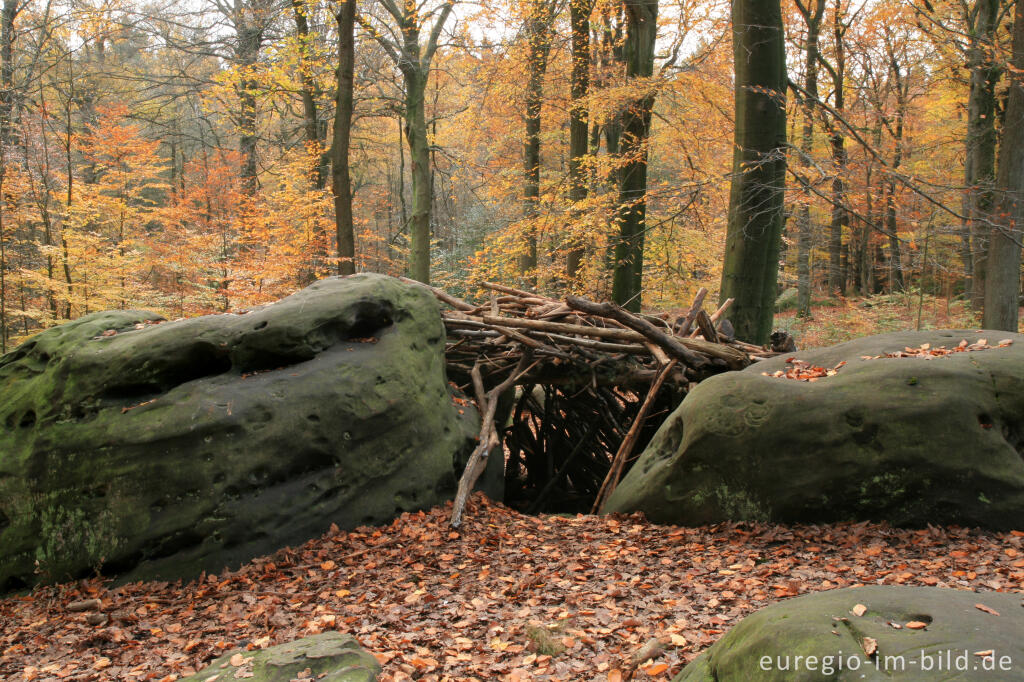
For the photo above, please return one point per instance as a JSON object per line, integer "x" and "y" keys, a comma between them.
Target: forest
{"x": 205, "y": 157}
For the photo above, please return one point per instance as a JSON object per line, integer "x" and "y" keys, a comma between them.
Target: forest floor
{"x": 507, "y": 597}
{"x": 841, "y": 319}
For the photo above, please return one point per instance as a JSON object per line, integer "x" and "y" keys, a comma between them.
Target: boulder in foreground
{"x": 910, "y": 440}
{"x": 878, "y": 632}
{"x": 162, "y": 450}
{"x": 328, "y": 657}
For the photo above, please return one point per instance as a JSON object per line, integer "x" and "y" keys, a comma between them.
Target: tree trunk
{"x": 538, "y": 36}
{"x": 8, "y": 13}
{"x": 419, "y": 160}
{"x": 579, "y": 19}
{"x": 312, "y": 129}
{"x": 837, "y": 265}
{"x": 896, "y": 282}
{"x": 247, "y": 52}
{"x": 979, "y": 170}
{"x": 812, "y": 18}
{"x": 750, "y": 270}
{"x": 638, "y": 53}
{"x": 7, "y": 16}
{"x": 341, "y": 181}
{"x": 1002, "y": 286}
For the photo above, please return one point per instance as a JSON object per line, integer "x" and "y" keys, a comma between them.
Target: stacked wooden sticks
{"x": 523, "y": 338}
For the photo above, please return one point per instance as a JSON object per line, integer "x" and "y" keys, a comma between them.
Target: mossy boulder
{"x": 907, "y": 440}
{"x": 162, "y": 450}
{"x": 329, "y": 657}
{"x": 820, "y": 637}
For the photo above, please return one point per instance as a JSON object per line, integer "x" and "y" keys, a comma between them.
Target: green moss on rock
{"x": 163, "y": 450}
{"x": 329, "y": 657}
{"x": 907, "y": 440}
{"x": 819, "y": 637}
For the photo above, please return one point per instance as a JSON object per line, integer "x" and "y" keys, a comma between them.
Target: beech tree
{"x": 579, "y": 23}
{"x": 638, "y": 54}
{"x": 403, "y": 41}
{"x": 540, "y": 15}
{"x": 341, "y": 181}
{"x": 1002, "y": 285}
{"x": 813, "y": 13}
{"x": 751, "y": 265}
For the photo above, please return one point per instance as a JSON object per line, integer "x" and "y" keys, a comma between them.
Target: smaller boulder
{"x": 878, "y": 632}
{"x": 329, "y": 657}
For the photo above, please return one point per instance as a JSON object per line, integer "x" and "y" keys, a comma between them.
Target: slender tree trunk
{"x": 812, "y": 18}
{"x": 837, "y": 264}
{"x": 980, "y": 164}
{"x": 896, "y": 281}
{"x": 8, "y": 13}
{"x": 401, "y": 177}
{"x": 1002, "y": 286}
{"x": 750, "y": 270}
{"x": 249, "y": 39}
{"x": 579, "y": 19}
{"x": 538, "y": 36}
{"x": 419, "y": 160}
{"x": 638, "y": 53}
{"x": 312, "y": 128}
{"x": 341, "y": 181}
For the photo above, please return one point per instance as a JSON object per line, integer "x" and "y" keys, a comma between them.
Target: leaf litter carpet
{"x": 507, "y": 597}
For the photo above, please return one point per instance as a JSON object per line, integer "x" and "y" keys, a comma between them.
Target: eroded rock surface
{"x": 327, "y": 657}
{"x": 167, "y": 449}
{"x": 907, "y": 440}
{"x": 820, "y": 637}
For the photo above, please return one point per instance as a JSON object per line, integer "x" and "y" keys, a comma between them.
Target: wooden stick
{"x": 564, "y": 328}
{"x": 721, "y": 311}
{"x": 706, "y": 327}
{"x": 631, "y": 348}
{"x": 658, "y": 354}
{"x": 488, "y": 404}
{"x": 619, "y": 462}
{"x": 614, "y": 312}
{"x": 698, "y": 303}
{"x": 515, "y": 292}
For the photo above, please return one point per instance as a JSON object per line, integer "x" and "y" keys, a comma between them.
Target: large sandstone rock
{"x": 328, "y": 657}
{"x": 190, "y": 445}
{"x": 907, "y": 440}
{"x": 820, "y": 637}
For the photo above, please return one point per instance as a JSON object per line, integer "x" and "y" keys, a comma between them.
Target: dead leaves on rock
{"x": 803, "y": 371}
{"x": 605, "y": 598}
{"x": 926, "y": 351}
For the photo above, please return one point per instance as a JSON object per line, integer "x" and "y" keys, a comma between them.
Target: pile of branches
{"x": 588, "y": 375}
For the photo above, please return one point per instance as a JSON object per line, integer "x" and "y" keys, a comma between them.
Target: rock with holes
{"x": 327, "y": 657}
{"x": 910, "y": 440}
{"x": 879, "y": 632}
{"x": 167, "y": 449}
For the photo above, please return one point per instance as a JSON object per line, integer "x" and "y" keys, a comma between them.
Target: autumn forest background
{"x": 185, "y": 157}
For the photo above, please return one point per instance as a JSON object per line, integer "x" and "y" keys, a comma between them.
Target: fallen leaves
{"x": 859, "y": 610}
{"x": 869, "y": 645}
{"x": 803, "y": 371}
{"x": 614, "y": 598}
{"x": 926, "y": 351}
{"x": 986, "y": 609}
